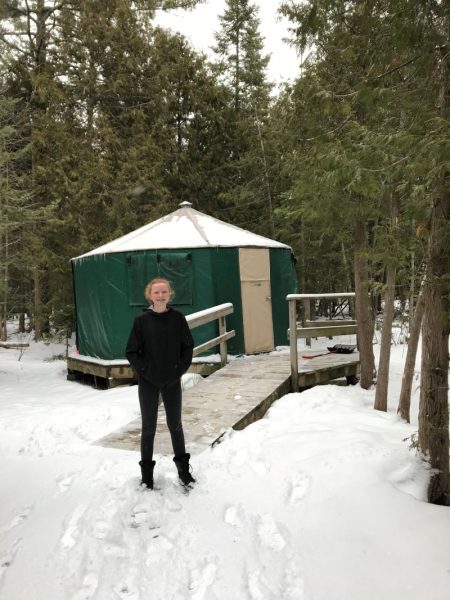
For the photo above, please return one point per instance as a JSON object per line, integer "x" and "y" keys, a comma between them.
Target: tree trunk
{"x": 362, "y": 306}
{"x": 266, "y": 176}
{"x": 411, "y": 287}
{"x": 22, "y": 322}
{"x": 381, "y": 394}
{"x": 37, "y": 315}
{"x": 5, "y": 290}
{"x": 386, "y": 336}
{"x": 348, "y": 280}
{"x": 2, "y": 332}
{"x": 433, "y": 412}
{"x": 404, "y": 402}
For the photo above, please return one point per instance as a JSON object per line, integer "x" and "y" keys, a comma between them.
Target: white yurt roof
{"x": 185, "y": 228}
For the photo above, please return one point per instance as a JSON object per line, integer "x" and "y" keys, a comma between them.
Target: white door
{"x": 254, "y": 267}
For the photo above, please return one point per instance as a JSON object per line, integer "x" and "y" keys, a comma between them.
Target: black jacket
{"x": 160, "y": 346}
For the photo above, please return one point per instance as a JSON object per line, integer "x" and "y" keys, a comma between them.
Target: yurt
{"x": 207, "y": 261}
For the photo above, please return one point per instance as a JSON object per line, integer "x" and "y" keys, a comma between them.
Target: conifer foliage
{"x": 371, "y": 149}
{"x": 242, "y": 68}
{"x": 105, "y": 104}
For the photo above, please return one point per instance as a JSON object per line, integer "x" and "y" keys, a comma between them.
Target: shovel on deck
{"x": 336, "y": 349}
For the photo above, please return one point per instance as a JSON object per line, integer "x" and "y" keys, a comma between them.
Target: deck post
{"x": 306, "y": 316}
{"x": 293, "y": 342}
{"x": 223, "y": 344}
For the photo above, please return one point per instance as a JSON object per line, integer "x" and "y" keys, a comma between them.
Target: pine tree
{"x": 242, "y": 65}
{"x": 17, "y": 211}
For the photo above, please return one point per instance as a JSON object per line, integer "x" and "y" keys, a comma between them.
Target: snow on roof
{"x": 185, "y": 228}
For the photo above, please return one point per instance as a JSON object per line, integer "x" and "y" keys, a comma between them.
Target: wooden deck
{"x": 234, "y": 397}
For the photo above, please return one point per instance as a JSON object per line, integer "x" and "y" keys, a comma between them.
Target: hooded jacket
{"x": 160, "y": 346}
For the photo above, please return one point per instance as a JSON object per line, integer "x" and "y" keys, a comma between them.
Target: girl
{"x": 160, "y": 350}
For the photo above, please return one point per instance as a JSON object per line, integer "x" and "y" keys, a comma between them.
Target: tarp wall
{"x": 227, "y": 286}
{"x": 283, "y": 280}
{"x": 109, "y": 293}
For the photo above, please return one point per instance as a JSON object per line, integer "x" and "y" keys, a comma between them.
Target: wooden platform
{"x": 112, "y": 373}
{"x": 234, "y": 397}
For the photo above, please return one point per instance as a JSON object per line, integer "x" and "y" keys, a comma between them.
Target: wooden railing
{"x": 308, "y": 329}
{"x": 206, "y": 316}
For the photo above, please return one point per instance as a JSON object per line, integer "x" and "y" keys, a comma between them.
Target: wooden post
{"x": 306, "y": 316}
{"x": 223, "y": 344}
{"x": 293, "y": 343}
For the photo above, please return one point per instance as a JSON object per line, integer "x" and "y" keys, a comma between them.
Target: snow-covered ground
{"x": 323, "y": 499}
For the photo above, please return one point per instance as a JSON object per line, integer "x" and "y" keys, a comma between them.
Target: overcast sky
{"x": 200, "y": 25}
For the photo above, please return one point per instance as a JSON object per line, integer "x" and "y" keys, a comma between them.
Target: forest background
{"x": 108, "y": 121}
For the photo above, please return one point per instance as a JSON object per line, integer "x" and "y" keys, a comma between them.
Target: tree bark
{"x": 266, "y": 175}
{"x": 37, "y": 316}
{"x": 404, "y": 403}
{"x": 347, "y": 271}
{"x": 433, "y": 412}
{"x": 22, "y": 322}
{"x": 381, "y": 394}
{"x": 362, "y": 306}
{"x": 386, "y": 336}
{"x": 3, "y": 301}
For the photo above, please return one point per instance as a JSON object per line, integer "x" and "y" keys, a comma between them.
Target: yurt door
{"x": 254, "y": 266}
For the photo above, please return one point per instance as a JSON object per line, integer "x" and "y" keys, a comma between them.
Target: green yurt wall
{"x": 109, "y": 293}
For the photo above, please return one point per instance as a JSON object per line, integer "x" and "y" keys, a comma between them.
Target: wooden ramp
{"x": 235, "y": 396}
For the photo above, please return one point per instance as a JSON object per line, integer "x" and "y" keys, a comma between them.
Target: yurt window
{"x": 174, "y": 266}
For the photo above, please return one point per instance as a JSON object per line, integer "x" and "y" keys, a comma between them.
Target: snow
{"x": 321, "y": 499}
{"x": 185, "y": 228}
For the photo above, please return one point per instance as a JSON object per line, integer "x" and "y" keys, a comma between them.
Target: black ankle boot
{"x": 183, "y": 468}
{"x": 147, "y": 472}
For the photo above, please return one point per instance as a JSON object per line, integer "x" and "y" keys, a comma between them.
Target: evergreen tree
{"x": 91, "y": 104}
{"x": 242, "y": 65}
{"x": 376, "y": 88}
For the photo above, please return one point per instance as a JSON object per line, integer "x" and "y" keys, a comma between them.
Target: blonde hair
{"x": 148, "y": 287}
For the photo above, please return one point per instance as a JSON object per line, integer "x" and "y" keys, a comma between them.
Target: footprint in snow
{"x": 72, "y": 532}
{"x": 256, "y": 586}
{"x": 126, "y": 591}
{"x": 88, "y": 587}
{"x": 7, "y": 558}
{"x": 19, "y": 518}
{"x": 298, "y": 488}
{"x": 232, "y": 517}
{"x": 200, "y": 579}
{"x": 158, "y": 550}
{"x": 269, "y": 535}
{"x": 115, "y": 549}
{"x": 101, "y": 529}
{"x": 154, "y": 554}
{"x": 293, "y": 584}
{"x": 141, "y": 516}
{"x": 64, "y": 483}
